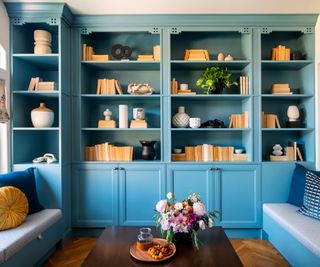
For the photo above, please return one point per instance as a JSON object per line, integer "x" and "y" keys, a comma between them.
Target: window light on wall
{"x": 3, "y": 58}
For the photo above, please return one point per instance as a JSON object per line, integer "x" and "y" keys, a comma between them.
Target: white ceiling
{"x": 187, "y": 6}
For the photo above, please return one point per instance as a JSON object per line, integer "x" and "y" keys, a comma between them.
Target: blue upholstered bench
{"x": 296, "y": 236}
{"x": 22, "y": 246}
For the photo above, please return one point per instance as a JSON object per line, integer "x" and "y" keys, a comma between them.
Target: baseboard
{"x": 243, "y": 233}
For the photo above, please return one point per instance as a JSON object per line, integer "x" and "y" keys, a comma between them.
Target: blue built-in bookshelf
{"x": 106, "y": 193}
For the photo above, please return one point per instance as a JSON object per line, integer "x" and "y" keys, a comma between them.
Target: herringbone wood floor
{"x": 252, "y": 252}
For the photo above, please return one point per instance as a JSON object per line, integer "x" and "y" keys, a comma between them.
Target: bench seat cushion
{"x": 302, "y": 228}
{"x": 13, "y": 240}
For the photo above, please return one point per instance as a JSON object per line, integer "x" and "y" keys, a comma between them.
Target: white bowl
{"x": 238, "y": 151}
{"x": 177, "y": 150}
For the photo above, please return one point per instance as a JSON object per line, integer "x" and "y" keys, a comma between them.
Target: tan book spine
{"x": 103, "y": 86}
{"x": 244, "y": 117}
{"x": 99, "y": 87}
{"x": 220, "y": 158}
{"x": 299, "y": 154}
{"x": 290, "y": 153}
{"x": 241, "y": 85}
{"x": 247, "y": 85}
{"x": 273, "y": 54}
{"x": 276, "y": 54}
{"x": 263, "y": 124}
{"x": 279, "y": 52}
{"x": 32, "y": 84}
{"x": 84, "y": 52}
{"x": 277, "y": 121}
{"x": 231, "y": 121}
{"x": 118, "y": 87}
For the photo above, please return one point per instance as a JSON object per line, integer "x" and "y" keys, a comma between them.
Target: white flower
{"x": 194, "y": 198}
{"x": 161, "y": 206}
{"x": 170, "y": 195}
{"x": 199, "y": 209}
{"x": 178, "y": 206}
{"x": 165, "y": 225}
{"x": 210, "y": 223}
{"x": 202, "y": 225}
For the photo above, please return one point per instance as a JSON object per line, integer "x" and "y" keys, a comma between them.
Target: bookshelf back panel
{"x": 23, "y": 37}
{"x": 233, "y": 43}
{"x": 122, "y": 138}
{"x": 141, "y": 43}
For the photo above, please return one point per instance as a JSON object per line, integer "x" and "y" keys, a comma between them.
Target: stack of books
{"x": 156, "y": 52}
{"x": 281, "y": 89}
{"x": 270, "y": 121}
{"x": 108, "y": 152}
{"x": 208, "y": 152}
{"x": 244, "y": 85}
{"x": 239, "y": 120}
{"x": 196, "y": 54}
{"x": 145, "y": 58}
{"x": 89, "y": 54}
{"x": 36, "y": 84}
{"x": 280, "y": 53}
{"x": 108, "y": 87}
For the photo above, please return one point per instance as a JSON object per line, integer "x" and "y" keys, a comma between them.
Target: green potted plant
{"x": 214, "y": 79}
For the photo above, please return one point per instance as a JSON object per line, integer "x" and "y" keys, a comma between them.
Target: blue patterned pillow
{"x": 311, "y": 200}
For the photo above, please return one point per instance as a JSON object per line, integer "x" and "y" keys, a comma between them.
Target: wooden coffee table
{"x": 112, "y": 249}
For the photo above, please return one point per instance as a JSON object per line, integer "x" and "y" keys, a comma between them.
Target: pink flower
{"x": 161, "y": 206}
{"x": 202, "y": 225}
{"x": 199, "y": 209}
{"x": 165, "y": 225}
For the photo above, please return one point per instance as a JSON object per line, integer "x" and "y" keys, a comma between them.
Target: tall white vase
{"x": 123, "y": 116}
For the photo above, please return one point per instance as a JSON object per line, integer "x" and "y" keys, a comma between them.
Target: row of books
{"x": 207, "y": 152}
{"x": 244, "y": 85}
{"x": 89, "y": 54}
{"x": 270, "y": 121}
{"x": 239, "y": 120}
{"x": 196, "y": 54}
{"x": 280, "y": 89}
{"x": 36, "y": 84}
{"x": 280, "y": 53}
{"x": 108, "y": 152}
{"x": 108, "y": 87}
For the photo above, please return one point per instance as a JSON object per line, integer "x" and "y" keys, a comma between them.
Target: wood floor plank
{"x": 252, "y": 252}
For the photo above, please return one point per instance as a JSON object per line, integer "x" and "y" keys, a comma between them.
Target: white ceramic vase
{"x": 42, "y": 117}
{"x": 293, "y": 113}
{"x": 181, "y": 119}
{"x": 123, "y": 116}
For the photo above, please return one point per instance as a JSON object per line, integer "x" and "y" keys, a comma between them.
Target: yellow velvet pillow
{"x": 14, "y": 207}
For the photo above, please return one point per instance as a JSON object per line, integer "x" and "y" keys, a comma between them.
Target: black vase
{"x": 148, "y": 151}
{"x": 182, "y": 239}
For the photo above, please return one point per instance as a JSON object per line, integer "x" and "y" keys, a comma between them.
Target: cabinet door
{"x": 186, "y": 179}
{"x": 238, "y": 195}
{"x": 141, "y": 187}
{"x": 94, "y": 195}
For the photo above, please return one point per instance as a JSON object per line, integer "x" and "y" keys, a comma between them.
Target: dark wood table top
{"x": 112, "y": 249}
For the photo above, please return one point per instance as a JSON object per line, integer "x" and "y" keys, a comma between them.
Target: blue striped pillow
{"x": 311, "y": 200}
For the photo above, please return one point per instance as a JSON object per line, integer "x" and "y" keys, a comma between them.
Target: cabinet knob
{"x": 121, "y": 169}
{"x": 115, "y": 168}
{"x": 215, "y": 169}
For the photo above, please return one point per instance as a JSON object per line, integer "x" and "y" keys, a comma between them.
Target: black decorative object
{"x": 293, "y": 124}
{"x": 297, "y": 55}
{"x": 148, "y": 151}
{"x": 213, "y": 124}
{"x": 119, "y": 52}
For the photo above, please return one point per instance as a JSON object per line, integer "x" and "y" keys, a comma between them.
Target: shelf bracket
{"x": 265, "y": 30}
{"x": 18, "y": 21}
{"x": 175, "y": 30}
{"x": 155, "y": 30}
{"x": 245, "y": 30}
{"x": 307, "y": 30}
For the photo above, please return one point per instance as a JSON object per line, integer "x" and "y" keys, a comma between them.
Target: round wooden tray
{"x": 142, "y": 255}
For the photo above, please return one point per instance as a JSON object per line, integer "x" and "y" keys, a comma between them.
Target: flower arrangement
{"x": 184, "y": 217}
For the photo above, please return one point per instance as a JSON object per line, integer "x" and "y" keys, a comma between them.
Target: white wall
{"x": 4, "y": 74}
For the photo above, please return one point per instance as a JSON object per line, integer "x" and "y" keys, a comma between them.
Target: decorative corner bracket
{"x": 53, "y": 21}
{"x": 265, "y": 30}
{"x": 155, "y": 30}
{"x": 307, "y": 30}
{"x": 245, "y": 30}
{"x": 18, "y": 21}
{"x": 175, "y": 30}
{"x": 84, "y": 31}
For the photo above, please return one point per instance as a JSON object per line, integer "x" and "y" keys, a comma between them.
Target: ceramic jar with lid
{"x": 42, "y": 117}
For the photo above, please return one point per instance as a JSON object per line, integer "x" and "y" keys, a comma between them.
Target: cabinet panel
{"x": 94, "y": 195}
{"x": 186, "y": 179}
{"x": 141, "y": 187}
{"x": 239, "y": 191}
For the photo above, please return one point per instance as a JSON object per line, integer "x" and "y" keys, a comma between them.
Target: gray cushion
{"x": 302, "y": 228}
{"x": 15, "y": 239}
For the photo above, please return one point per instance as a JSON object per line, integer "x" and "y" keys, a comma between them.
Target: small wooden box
{"x": 138, "y": 124}
{"x": 106, "y": 124}
{"x": 240, "y": 157}
{"x": 279, "y": 158}
{"x": 178, "y": 157}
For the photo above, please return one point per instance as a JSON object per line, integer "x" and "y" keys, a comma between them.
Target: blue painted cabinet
{"x": 141, "y": 187}
{"x": 95, "y": 195}
{"x": 238, "y": 195}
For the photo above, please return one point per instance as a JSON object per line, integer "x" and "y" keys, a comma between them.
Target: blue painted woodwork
{"x": 294, "y": 252}
{"x": 95, "y": 195}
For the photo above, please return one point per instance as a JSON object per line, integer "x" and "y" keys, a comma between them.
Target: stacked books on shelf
{"x": 280, "y": 89}
{"x": 207, "y": 152}
{"x": 239, "y": 120}
{"x": 145, "y": 58}
{"x": 154, "y": 57}
{"x": 36, "y": 84}
{"x": 108, "y": 87}
{"x": 280, "y": 53}
{"x": 108, "y": 152}
{"x": 244, "y": 85}
{"x": 270, "y": 121}
{"x": 196, "y": 54}
{"x": 88, "y": 54}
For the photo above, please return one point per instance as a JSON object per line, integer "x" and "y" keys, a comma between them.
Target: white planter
{"x": 42, "y": 117}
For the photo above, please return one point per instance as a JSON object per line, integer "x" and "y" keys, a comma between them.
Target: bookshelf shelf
{"x": 122, "y": 65}
{"x": 121, "y": 129}
{"x": 210, "y": 129}
{"x": 35, "y": 129}
{"x": 282, "y": 97}
{"x": 287, "y": 129}
{"x": 201, "y": 65}
{"x": 123, "y": 96}
{"x": 37, "y": 94}
{"x": 285, "y": 64}
{"x": 200, "y": 97}
{"x": 45, "y": 62}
